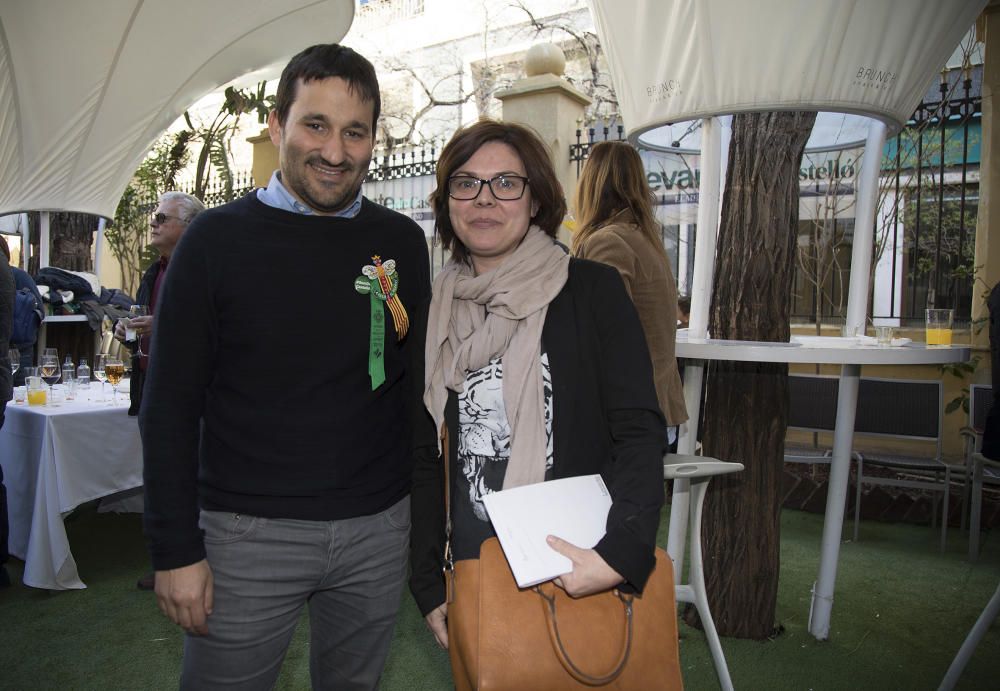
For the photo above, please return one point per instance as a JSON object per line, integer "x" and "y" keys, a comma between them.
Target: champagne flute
{"x": 14, "y": 355}
{"x": 115, "y": 370}
{"x": 49, "y": 365}
{"x": 130, "y": 333}
{"x": 99, "y": 372}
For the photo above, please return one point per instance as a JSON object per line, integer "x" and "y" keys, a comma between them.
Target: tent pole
{"x": 864, "y": 224}
{"x": 701, "y": 297}
{"x": 847, "y": 393}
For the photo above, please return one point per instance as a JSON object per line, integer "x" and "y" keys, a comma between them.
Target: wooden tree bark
{"x": 746, "y": 407}
{"x": 71, "y": 239}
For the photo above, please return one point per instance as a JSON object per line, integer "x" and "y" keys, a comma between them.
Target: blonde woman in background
{"x": 616, "y": 226}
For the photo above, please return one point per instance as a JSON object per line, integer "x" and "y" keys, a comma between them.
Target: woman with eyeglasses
{"x": 616, "y": 226}
{"x": 536, "y": 364}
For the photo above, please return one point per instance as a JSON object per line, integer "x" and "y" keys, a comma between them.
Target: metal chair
{"x": 691, "y": 475}
{"x": 812, "y": 407}
{"x": 978, "y": 468}
{"x": 904, "y": 409}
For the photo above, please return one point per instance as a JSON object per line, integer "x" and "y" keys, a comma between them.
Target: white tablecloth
{"x": 54, "y": 459}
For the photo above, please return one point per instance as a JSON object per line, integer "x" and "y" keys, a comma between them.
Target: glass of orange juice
{"x": 37, "y": 391}
{"x": 939, "y": 327}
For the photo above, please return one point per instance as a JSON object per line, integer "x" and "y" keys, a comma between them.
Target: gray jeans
{"x": 351, "y": 572}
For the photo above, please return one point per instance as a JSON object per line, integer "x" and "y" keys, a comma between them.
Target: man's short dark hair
{"x": 323, "y": 61}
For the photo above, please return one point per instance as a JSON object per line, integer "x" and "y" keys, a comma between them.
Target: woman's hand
{"x": 590, "y": 574}
{"x": 437, "y": 622}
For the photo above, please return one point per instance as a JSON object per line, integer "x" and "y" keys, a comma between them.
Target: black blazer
{"x": 606, "y": 419}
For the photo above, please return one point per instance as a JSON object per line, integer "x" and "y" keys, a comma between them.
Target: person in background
{"x": 536, "y": 363}
{"x": 683, "y": 311}
{"x": 174, "y": 211}
{"x": 277, "y": 477}
{"x": 6, "y": 392}
{"x": 614, "y": 210}
{"x": 22, "y": 279}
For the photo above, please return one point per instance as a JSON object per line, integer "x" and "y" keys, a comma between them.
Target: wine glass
{"x": 49, "y": 365}
{"x": 99, "y": 372}
{"x": 115, "y": 370}
{"x": 130, "y": 333}
{"x": 14, "y": 355}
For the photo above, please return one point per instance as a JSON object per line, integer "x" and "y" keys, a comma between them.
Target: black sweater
{"x": 259, "y": 400}
{"x": 606, "y": 419}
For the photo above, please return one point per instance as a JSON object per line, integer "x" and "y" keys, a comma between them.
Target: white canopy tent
{"x": 675, "y": 61}
{"x": 86, "y": 86}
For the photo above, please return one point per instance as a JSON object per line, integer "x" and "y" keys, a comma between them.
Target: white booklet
{"x": 574, "y": 509}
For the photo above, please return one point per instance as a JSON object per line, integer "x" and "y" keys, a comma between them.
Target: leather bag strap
{"x": 547, "y": 592}
{"x": 449, "y": 564}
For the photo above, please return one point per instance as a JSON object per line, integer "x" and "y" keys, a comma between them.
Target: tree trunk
{"x": 751, "y": 301}
{"x": 71, "y": 238}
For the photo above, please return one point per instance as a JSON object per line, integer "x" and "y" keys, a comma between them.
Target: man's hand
{"x": 185, "y": 596}
{"x": 141, "y": 325}
{"x": 437, "y": 622}
{"x": 120, "y": 330}
{"x": 590, "y": 574}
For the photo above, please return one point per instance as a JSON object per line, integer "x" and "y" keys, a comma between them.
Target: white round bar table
{"x": 822, "y": 351}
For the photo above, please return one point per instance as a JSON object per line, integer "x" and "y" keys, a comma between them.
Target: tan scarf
{"x": 474, "y": 319}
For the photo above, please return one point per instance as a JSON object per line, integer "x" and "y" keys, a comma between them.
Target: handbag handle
{"x": 448, "y": 566}
{"x": 563, "y": 655}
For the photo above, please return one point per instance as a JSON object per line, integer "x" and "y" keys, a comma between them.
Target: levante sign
{"x": 690, "y": 178}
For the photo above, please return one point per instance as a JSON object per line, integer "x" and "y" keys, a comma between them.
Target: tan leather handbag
{"x": 501, "y": 637}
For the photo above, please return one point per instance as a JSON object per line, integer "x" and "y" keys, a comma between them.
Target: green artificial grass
{"x": 901, "y": 612}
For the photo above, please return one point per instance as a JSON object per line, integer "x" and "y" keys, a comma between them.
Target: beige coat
{"x": 650, "y": 283}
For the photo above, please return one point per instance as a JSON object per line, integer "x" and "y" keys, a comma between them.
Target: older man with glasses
{"x": 171, "y": 218}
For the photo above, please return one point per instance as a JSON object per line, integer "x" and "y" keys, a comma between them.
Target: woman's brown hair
{"x": 613, "y": 180}
{"x": 545, "y": 189}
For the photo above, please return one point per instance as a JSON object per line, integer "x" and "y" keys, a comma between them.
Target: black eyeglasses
{"x": 506, "y": 188}
{"x": 160, "y": 219}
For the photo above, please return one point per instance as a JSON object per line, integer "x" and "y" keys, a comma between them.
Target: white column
{"x": 683, "y": 248}
{"x": 887, "y": 286}
{"x": 25, "y": 241}
{"x": 99, "y": 246}
{"x": 43, "y": 239}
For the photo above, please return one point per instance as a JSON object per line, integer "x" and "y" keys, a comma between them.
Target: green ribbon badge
{"x": 376, "y": 331}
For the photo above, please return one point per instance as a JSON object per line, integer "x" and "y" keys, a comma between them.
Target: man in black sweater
{"x": 277, "y": 476}
{"x": 6, "y": 390}
{"x": 174, "y": 212}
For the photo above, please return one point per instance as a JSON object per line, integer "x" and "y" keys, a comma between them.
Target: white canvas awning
{"x": 676, "y": 60}
{"x": 86, "y": 86}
